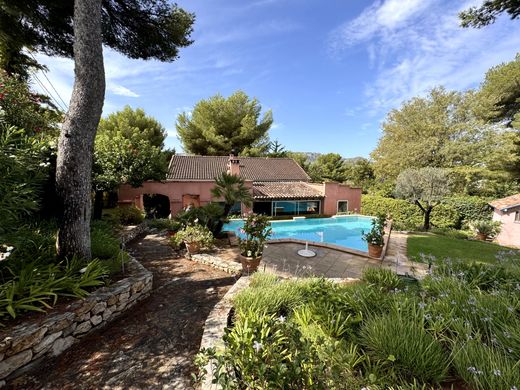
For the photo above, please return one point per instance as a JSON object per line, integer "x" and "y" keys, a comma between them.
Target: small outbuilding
{"x": 507, "y": 211}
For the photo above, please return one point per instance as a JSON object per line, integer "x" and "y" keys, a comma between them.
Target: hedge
{"x": 454, "y": 212}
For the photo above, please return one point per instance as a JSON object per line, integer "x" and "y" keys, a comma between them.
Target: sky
{"x": 330, "y": 71}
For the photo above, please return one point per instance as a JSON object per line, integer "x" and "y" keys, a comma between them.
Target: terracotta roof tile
{"x": 285, "y": 190}
{"x": 183, "y": 167}
{"x": 506, "y": 203}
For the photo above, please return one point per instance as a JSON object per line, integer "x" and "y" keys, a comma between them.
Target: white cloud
{"x": 414, "y": 46}
{"x": 117, "y": 89}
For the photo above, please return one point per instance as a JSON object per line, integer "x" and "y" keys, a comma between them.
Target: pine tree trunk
{"x": 76, "y": 142}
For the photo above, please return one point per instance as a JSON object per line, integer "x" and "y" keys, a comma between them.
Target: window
{"x": 342, "y": 206}
{"x": 517, "y": 217}
{"x": 296, "y": 207}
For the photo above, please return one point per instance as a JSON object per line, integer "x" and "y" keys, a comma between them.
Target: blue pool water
{"x": 345, "y": 231}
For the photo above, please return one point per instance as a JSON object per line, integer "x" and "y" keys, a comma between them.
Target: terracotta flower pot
{"x": 375, "y": 250}
{"x": 249, "y": 264}
{"x": 482, "y": 236}
{"x": 193, "y": 247}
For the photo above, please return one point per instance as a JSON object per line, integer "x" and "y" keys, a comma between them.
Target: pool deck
{"x": 283, "y": 259}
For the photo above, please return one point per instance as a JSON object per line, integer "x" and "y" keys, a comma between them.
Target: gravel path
{"x": 153, "y": 345}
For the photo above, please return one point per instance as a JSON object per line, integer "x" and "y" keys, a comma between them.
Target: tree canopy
{"x": 219, "y": 125}
{"x": 488, "y": 12}
{"x": 328, "y": 167}
{"x": 128, "y": 150}
{"x": 442, "y": 130}
{"x": 426, "y": 187}
{"x": 152, "y": 29}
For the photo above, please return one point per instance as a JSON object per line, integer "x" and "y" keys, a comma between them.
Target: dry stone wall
{"x": 27, "y": 344}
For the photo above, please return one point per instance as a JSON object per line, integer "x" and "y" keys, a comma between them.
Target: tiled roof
{"x": 506, "y": 203}
{"x": 184, "y": 167}
{"x": 285, "y": 190}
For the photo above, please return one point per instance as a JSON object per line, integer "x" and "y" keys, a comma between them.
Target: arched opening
{"x": 156, "y": 205}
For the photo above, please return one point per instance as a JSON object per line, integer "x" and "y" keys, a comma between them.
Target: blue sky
{"x": 329, "y": 70}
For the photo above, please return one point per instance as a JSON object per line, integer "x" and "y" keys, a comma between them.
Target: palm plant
{"x": 232, "y": 189}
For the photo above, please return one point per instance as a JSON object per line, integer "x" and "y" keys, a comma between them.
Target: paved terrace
{"x": 283, "y": 259}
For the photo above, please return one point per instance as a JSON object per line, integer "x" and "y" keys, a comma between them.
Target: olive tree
{"x": 425, "y": 187}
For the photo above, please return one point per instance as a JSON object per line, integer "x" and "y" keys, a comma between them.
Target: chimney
{"x": 233, "y": 164}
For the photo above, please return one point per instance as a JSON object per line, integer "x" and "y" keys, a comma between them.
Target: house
{"x": 507, "y": 211}
{"x": 279, "y": 186}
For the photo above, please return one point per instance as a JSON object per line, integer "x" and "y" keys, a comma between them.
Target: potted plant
{"x": 256, "y": 231}
{"x": 195, "y": 237}
{"x": 375, "y": 237}
{"x": 486, "y": 229}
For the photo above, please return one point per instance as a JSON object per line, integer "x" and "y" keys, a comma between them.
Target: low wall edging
{"x": 26, "y": 345}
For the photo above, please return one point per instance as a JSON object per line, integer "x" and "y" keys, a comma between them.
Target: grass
{"x": 455, "y": 248}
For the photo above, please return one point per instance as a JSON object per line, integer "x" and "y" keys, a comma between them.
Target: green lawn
{"x": 442, "y": 247}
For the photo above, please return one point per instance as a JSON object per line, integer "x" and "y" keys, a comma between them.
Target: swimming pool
{"x": 344, "y": 231}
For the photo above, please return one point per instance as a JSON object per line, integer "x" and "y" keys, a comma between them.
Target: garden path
{"x": 153, "y": 345}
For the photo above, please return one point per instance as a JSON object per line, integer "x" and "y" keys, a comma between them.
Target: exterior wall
{"x": 334, "y": 192}
{"x": 510, "y": 231}
{"x": 174, "y": 190}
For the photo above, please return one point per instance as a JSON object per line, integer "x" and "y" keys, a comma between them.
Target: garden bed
{"x": 32, "y": 341}
{"x": 459, "y": 326}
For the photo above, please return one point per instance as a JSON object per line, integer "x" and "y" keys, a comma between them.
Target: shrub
{"x": 208, "y": 216}
{"x": 256, "y": 231}
{"x": 382, "y": 277}
{"x": 375, "y": 236}
{"x": 404, "y": 214}
{"x": 484, "y": 367}
{"x": 453, "y": 212}
{"x": 487, "y": 228}
{"x": 129, "y": 215}
{"x": 405, "y": 347}
{"x": 193, "y": 234}
{"x": 469, "y": 208}
{"x": 165, "y": 224}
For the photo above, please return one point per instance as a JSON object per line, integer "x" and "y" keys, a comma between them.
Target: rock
{"x": 46, "y": 342}
{"x": 59, "y": 322}
{"x": 62, "y": 344}
{"x": 84, "y": 317}
{"x": 14, "y": 362}
{"x": 137, "y": 286}
{"x": 123, "y": 297}
{"x": 84, "y": 306}
{"x": 112, "y": 300}
{"x": 107, "y": 314}
{"x": 96, "y": 320}
{"x": 83, "y": 327}
{"x": 70, "y": 329}
{"x": 6, "y": 343}
{"x": 100, "y": 306}
{"x": 25, "y": 338}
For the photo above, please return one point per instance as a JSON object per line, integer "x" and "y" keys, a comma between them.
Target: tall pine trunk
{"x": 76, "y": 142}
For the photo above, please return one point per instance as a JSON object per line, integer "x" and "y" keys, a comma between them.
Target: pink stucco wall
{"x": 510, "y": 232}
{"x": 334, "y": 192}
{"x": 174, "y": 190}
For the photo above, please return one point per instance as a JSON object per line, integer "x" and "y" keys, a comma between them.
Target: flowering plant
{"x": 257, "y": 229}
{"x": 195, "y": 234}
{"x": 376, "y": 233}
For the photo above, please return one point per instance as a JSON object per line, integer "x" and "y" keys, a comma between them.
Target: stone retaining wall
{"x": 218, "y": 263}
{"x": 132, "y": 232}
{"x": 28, "y": 344}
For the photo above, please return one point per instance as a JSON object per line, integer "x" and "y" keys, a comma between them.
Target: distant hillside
{"x": 312, "y": 156}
